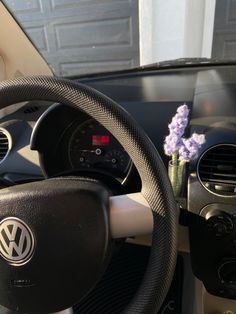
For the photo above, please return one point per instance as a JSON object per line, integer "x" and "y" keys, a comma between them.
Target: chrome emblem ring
{"x": 16, "y": 241}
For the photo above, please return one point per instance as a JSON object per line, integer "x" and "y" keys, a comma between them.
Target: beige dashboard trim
{"x": 18, "y": 54}
{"x": 131, "y": 216}
{"x": 2, "y": 69}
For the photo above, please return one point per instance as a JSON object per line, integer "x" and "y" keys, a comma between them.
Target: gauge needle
{"x": 85, "y": 151}
{"x": 97, "y": 151}
{"x": 113, "y": 160}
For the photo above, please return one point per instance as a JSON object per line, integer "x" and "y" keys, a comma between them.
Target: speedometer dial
{"x": 92, "y": 147}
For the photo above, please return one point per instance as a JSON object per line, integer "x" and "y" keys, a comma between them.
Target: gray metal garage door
{"x": 224, "y": 39}
{"x": 68, "y": 33}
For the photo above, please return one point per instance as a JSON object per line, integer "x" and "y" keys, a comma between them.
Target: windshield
{"x": 78, "y": 37}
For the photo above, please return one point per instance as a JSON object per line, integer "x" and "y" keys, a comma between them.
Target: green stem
{"x": 182, "y": 163}
{"x": 176, "y": 174}
{"x": 174, "y": 171}
{"x": 175, "y": 159}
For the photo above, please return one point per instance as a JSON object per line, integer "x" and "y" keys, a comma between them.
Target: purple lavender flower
{"x": 183, "y": 111}
{"x": 190, "y": 147}
{"x": 172, "y": 144}
{"x": 179, "y": 121}
{"x": 177, "y": 127}
{"x": 199, "y": 139}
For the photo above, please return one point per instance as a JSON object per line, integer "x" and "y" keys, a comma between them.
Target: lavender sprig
{"x": 172, "y": 144}
{"x": 180, "y": 149}
{"x": 177, "y": 146}
{"x": 190, "y": 147}
{"x": 179, "y": 121}
{"x": 174, "y": 141}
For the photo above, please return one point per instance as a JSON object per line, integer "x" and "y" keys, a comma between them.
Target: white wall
{"x": 171, "y": 29}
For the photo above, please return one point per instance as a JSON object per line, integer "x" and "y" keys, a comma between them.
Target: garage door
{"x": 68, "y": 33}
{"x": 224, "y": 39}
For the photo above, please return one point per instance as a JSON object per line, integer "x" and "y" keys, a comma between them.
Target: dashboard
{"x": 46, "y": 140}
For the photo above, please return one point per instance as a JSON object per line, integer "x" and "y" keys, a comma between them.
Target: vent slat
{"x": 217, "y": 168}
{"x": 223, "y": 182}
{"x": 31, "y": 109}
{"x": 228, "y": 166}
{"x": 210, "y": 161}
{"x": 4, "y": 145}
{"x": 218, "y": 174}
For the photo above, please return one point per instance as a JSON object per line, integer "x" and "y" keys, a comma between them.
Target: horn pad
{"x": 54, "y": 243}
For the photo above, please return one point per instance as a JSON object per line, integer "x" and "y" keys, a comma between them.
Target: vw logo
{"x": 16, "y": 241}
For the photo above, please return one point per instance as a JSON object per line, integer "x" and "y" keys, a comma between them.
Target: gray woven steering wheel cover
{"x": 155, "y": 184}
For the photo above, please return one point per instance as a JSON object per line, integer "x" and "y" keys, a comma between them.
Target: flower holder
{"x": 176, "y": 174}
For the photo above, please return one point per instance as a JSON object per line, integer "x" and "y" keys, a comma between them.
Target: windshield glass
{"x": 78, "y": 37}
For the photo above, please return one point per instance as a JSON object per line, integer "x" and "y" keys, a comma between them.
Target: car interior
{"x": 90, "y": 220}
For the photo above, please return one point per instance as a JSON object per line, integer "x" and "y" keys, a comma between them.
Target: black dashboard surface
{"x": 40, "y": 136}
{"x": 151, "y": 97}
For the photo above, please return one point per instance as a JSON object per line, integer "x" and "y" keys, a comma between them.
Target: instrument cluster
{"x": 93, "y": 148}
{"x": 78, "y": 144}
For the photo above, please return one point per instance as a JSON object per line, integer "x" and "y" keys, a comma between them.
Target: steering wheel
{"x": 55, "y": 235}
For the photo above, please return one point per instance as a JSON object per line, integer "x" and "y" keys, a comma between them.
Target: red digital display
{"x": 100, "y": 140}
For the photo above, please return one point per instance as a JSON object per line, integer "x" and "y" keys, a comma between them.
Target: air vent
{"x": 4, "y": 145}
{"x": 217, "y": 169}
{"x": 31, "y": 109}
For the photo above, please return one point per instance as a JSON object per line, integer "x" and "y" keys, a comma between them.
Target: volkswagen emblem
{"x": 16, "y": 241}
